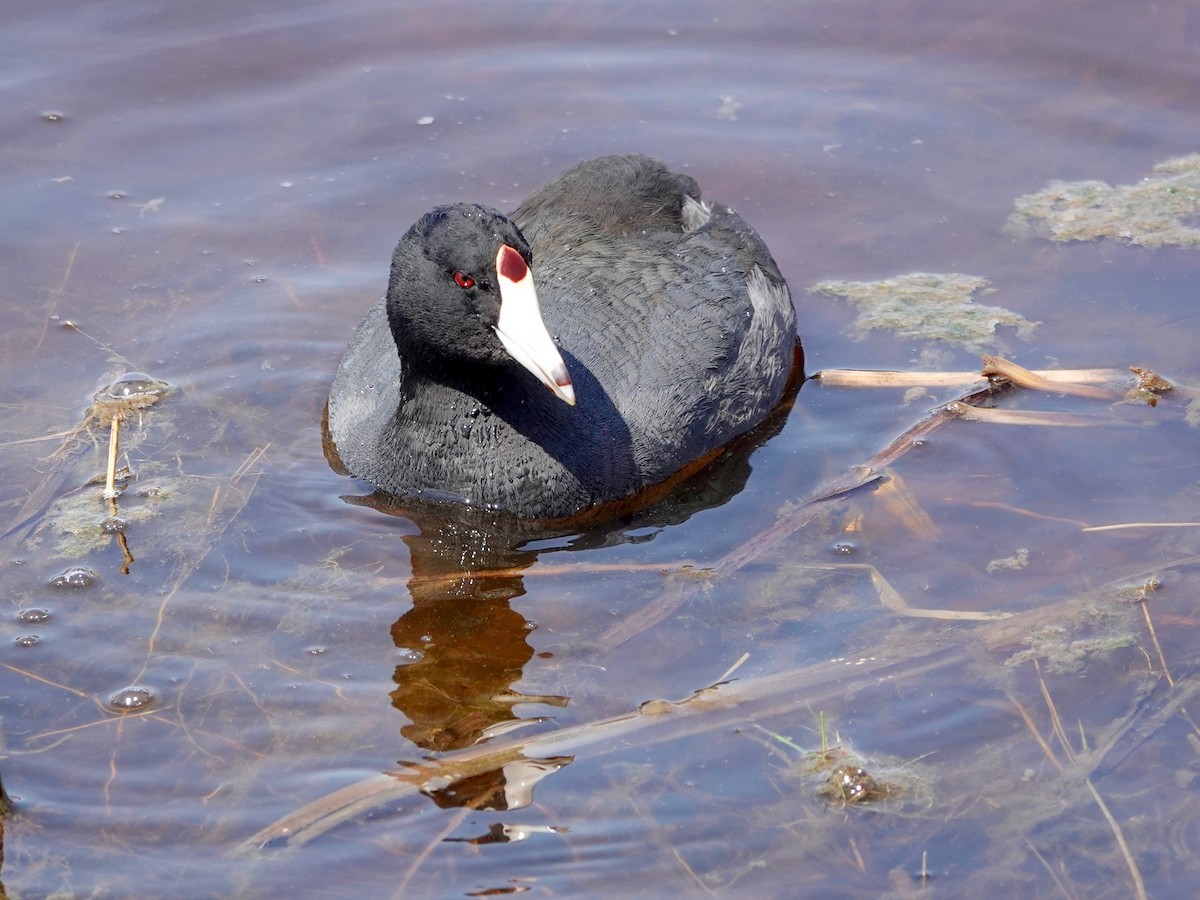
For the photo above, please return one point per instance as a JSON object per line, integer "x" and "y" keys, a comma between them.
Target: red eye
{"x": 463, "y": 280}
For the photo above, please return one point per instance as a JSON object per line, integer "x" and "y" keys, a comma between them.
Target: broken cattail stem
{"x": 997, "y": 367}
{"x": 892, "y": 378}
{"x": 868, "y": 378}
{"x": 110, "y": 488}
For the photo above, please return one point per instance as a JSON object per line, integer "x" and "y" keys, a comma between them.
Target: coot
{"x": 660, "y": 329}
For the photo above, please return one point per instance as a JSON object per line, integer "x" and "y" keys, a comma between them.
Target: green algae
{"x": 77, "y": 521}
{"x": 929, "y": 307}
{"x": 1160, "y": 210}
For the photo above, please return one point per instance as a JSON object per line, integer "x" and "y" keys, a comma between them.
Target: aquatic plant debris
{"x": 1011, "y": 563}
{"x": 929, "y": 307}
{"x": 1161, "y": 210}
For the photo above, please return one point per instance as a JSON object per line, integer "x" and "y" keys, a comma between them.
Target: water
{"x": 210, "y": 195}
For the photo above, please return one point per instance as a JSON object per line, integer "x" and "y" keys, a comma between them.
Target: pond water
{"x": 210, "y": 193}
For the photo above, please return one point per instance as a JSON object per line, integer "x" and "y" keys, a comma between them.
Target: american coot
{"x": 660, "y": 330}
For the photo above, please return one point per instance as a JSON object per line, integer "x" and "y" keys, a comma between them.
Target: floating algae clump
{"x": 929, "y": 308}
{"x": 1156, "y": 212}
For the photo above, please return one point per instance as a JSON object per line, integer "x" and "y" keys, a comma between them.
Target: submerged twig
{"x": 1027, "y": 417}
{"x": 1033, "y": 730}
{"x": 897, "y": 499}
{"x": 1049, "y": 870}
{"x": 56, "y": 293}
{"x": 413, "y": 867}
{"x": 210, "y": 529}
{"x": 1056, "y": 725}
{"x": 1139, "y": 886}
{"x": 892, "y": 599}
{"x": 1162, "y": 659}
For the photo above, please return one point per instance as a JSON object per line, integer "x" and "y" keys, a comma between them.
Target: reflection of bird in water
{"x": 470, "y": 645}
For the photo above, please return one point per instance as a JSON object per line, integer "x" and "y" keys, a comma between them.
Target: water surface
{"x": 211, "y": 195}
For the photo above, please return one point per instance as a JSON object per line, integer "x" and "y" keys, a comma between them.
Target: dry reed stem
{"x": 998, "y": 367}
{"x": 737, "y": 665}
{"x": 1124, "y": 525}
{"x": 110, "y": 479}
{"x": 890, "y": 378}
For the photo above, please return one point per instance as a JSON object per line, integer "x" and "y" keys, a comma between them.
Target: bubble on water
{"x": 315, "y": 651}
{"x": 113, "y": 525}
{"x": 844, "y": 548}
{"x": 27, "y": 640}
{"x": 407, "y": 657}
{"x": 116, "y": 195}
{"x": 425, "y": 120}
{"x": 131, "y": 699}
{"x": 53, "y": 115}
{"x": 33, "y": 616}
{"x": 134, "y": 386}
{"x": 75, "y": 577}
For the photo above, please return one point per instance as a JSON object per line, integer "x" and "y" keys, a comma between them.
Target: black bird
{"x": 660, "y": 330}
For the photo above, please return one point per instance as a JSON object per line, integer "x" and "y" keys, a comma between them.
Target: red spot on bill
{"x": 510, "y": 264}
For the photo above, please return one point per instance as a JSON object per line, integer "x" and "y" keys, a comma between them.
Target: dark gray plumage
{"x": 675, "y": 325}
